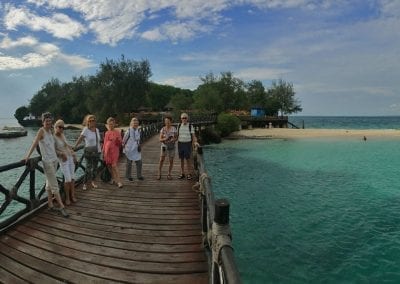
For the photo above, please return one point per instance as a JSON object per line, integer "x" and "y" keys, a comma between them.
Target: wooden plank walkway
{"x": 147, "y": 232}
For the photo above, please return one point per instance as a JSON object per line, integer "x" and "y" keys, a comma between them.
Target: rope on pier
{"x": 221, "y": 236}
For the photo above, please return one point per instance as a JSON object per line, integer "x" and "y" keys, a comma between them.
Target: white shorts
{"x": 68, "y": 169}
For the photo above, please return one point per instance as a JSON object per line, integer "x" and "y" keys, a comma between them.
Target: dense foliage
{"x": 122, "y": 87}
{"x": 227, "y": 123}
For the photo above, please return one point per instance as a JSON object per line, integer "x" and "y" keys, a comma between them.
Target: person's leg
{"x": 51, "y": 181}
{"x": 160, "y": 164}
{"x": 95, "y": 162}
{"x": 182, "y": 168}
{"x": 72, "y": 174}
{"x": 139, "y": 169}
{"x": 72, "y": 191}
{"x": 88, "y": 172}
{"x": 188, "y": 154}
{"x": 67, "y": 189}
{"x": 171, "y": 164}
{"x": 116, "y": 175}
{"x": 128, "y": 171}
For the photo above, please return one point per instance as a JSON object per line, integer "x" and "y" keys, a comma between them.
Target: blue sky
{"x": 342, "y": 56}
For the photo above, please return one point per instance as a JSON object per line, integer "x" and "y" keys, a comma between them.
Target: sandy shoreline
{"x": 290, "y": 133}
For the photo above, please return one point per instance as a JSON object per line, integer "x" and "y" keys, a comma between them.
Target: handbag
{"x": 170, "y": 146}
{"x": 91, "y": 152}
{"x": 105, "y": 174}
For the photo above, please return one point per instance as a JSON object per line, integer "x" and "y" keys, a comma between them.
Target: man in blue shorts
{"x": 186, "y": 138}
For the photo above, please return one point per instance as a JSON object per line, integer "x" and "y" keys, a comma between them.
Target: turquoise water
{"x": 311, "y": 211}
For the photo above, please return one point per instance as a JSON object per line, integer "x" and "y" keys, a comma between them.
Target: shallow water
{"x": 311, "y": 211}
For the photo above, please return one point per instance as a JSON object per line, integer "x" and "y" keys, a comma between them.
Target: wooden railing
{"x": 33, "y": 171}
{"x": 217, "y": 236}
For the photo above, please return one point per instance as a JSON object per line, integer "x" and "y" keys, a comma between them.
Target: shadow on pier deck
{"x": 147, "y": 232}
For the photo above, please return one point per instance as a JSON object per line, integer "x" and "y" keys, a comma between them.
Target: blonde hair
{"x": 110, "y": 119}
{"x": 87, "y": 118}
{"x": 58, "y": 123}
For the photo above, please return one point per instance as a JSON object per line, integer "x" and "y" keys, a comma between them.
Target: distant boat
{"x": 30, "y": 122}
{"x": 12, "y": 132}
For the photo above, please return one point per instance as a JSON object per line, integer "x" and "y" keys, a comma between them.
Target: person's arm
{"x": 80, "y": 138}
{"x": 162, "y": 135}
{"x": 39, "y": 136}
{"x": 194, "y": 138}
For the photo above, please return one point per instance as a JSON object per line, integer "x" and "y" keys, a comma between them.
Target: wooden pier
{"x": 147, "y": 232}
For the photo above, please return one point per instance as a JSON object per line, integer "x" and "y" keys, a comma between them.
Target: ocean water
{"x": 14, "y": 150}
{"x": 311, "y": 210}
{"x": 306, "y": 210}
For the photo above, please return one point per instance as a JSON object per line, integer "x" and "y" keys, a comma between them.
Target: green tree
{"x": 281, "y": 96}
{"x": 227, "y": 123}
{"x": 220, "y": 93}
{"x": 256, "y": 93}
{"x": 182, "y": 100}
{"x": 119, "y": 87}
{"x": 21, "y": 113}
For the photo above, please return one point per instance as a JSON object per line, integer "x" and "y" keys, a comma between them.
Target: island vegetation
{"x": 122, "y": 87}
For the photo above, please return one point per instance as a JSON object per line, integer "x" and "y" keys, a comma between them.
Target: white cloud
{"x": 8, "y": 43}
{"x": 39, "y": 55}
{"x": 255, "y": 73}
{"x": 30, "y": 60}
{"x": 112, "y": 21}
{"x": 59, "y": 25}
{"x": 185, "y": 82}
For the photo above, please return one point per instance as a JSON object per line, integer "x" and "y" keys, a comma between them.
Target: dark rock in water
{"x": 12, "y": 132}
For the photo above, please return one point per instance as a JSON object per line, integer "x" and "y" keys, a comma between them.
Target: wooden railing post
{"x": 223, "y": 267}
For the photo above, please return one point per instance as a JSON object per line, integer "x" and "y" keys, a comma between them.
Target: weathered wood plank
{"x": 147, "y": 232}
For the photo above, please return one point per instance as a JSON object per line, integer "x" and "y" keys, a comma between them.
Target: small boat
{"x": 13, "y": 131}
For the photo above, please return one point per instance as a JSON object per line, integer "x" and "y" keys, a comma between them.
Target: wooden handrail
{"x": 33, "y": 169}
{"x": 217, "y": 237}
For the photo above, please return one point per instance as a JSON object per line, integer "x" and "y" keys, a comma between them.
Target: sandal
{"x": 189, "y": 176}
{"x": 119, "y": 185}
{"x": 169, "y": 177}
{"x": 94, "y": 185}
{"x": 182, "y": 176}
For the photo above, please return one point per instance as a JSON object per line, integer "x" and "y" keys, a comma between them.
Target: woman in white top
{"x": 44, "y": 138}
{"x": 67, "y": 160}
{"x": 92, "y": 150}
{"x": 131, "y": 146}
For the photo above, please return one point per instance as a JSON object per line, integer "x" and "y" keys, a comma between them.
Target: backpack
{"x": 190, "y": 130}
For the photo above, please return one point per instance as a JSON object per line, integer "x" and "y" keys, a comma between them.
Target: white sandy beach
{"x": 290, "y": 133}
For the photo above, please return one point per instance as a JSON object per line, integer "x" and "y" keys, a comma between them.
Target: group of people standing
{"x": 55, "y": 151}
{"x": 185, "y": 135}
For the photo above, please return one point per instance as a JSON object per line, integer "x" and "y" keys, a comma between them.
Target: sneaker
{"x": 182, "y": 176}
{"x": 64, "y": 213}
{"x": 52, "y": 209}
{"x": 130, "y": 179}
{"x": 140, "y": 178}
{"x": 84, "y": 186}
{"x": 119, "y": 185}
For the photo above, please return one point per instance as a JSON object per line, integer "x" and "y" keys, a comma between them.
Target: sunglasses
{"x": 61, "y": 127}
{"x": 91, "y": 120}
{"x": 183, "y": 117}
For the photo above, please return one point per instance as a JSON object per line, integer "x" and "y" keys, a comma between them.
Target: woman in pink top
{"x": 111, "y": 146}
